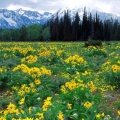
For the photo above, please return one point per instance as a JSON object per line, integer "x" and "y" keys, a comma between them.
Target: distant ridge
{"x": 16, "y": 18}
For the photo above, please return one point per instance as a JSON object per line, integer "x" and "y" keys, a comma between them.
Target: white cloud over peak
{"x": 54, "y": 5}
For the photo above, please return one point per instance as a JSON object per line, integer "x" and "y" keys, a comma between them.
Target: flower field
{"x": 59, "y": 81}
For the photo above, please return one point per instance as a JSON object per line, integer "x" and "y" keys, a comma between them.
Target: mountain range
{"x": 16, "y": 18}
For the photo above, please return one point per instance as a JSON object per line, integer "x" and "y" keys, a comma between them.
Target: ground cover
{"x": 59, "y": 81}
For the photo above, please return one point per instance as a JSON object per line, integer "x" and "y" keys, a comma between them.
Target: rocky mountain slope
{"x": 16, "y": 18}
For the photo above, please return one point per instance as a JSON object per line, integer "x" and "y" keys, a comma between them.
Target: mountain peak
{"x": 47, "y": 13}
{"x": 16, "y": 18}
{"x": 20, "y": 11}
{"x": 19, "y": 17}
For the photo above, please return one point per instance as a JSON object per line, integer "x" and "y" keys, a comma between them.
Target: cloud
{"x": 14, "y": 7}
{"x": 34, "y": 1}
{"x": 54, "y": 5}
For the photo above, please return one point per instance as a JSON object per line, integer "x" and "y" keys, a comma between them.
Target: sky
{"x": 110, "y": 6}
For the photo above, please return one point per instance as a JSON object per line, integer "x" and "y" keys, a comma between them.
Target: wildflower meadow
{"x": 59, "y": 81}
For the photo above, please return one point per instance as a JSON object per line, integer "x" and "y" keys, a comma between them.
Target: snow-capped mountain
{"x": 72, "y": 12}
{"x": 17, "y": 18}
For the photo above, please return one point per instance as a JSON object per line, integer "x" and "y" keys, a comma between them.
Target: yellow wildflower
{"x": 41, "y": 116}
{"x": 44, "y": 107}
{"x": 11, "y": 106}
{"x": 102, "y": 114}
{"x": 47, "y": 103}
{"x": 114, "y": 70}
{"x": 60, "y": 116}
{"x": 32, "y": 84}
{"x": 69, "y": 106}
{"x": 87, "y": 104}
{"x": 118, "y": 112}
{"x": 1, "y": 70}
{"x": 37, "y": 82}
{"x": 49, "y": 98}
{"x": 2, "y": 118}
{"x": 34, "y": 90}
{"x": 98, "y": 116}
{"x": 22, "y": 101}
{"x": 21, "y": 92}
{"x": 27, "y": 89}
{"x": 29, "y": 109}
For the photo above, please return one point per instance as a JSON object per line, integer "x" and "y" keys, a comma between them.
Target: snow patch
{"x": 9, "y": 20}
{"x": 21, "y": 11}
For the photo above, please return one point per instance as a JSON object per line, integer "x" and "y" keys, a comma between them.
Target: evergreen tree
{"x": 91, "y": 31}
{"x": 106, "y": 31}
{"x": 16, "y": 35}
{"x": 84, "y": 25}
{"x": 6, "y": 35}
{"x": 46, "y": 34}
{"x": 61, "y": 30}
{"x": 67, "y": 27}
{"x": 54, "y": 29}
{"x": 75, "y": 27}
{"x": 23, "y": 32}
{"x": 115, "y": 29}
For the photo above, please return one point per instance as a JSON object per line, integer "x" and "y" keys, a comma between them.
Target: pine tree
{"x": 61, "y": 30}
{"x": 84, "y": 25}
{"x": 67, "y": 27}
{"x": 23, "y": 32}
{"x": 75, "y": 27}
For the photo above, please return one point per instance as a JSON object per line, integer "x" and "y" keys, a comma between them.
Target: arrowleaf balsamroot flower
{"x": 37, "y": 82}
{"x": 22, "y": 101}
{"x": 69, "y": 106}
{"x": 87, "y": 104}
{"x": 60, "y": 116}
{"x": 41, "y": 116}
{"x": 118, "y": 112}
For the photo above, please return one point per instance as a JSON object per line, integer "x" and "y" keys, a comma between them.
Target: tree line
{"x": 31, "y": 33}
{"x": 66, "y": 29}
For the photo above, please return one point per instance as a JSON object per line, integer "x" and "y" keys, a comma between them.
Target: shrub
{"x": 97, "y": 52}
{"x": 90, "y": 42}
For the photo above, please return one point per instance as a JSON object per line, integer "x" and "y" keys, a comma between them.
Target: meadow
{"x": 59, "y": 81}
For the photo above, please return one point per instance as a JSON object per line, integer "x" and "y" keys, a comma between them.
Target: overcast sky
{"x": 53, "y": 5}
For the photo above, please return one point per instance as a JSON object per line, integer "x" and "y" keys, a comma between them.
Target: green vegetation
{"x": 67, "y": 29}
{"x": 30, "y": 33}
{"x": 59, "y": 81}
